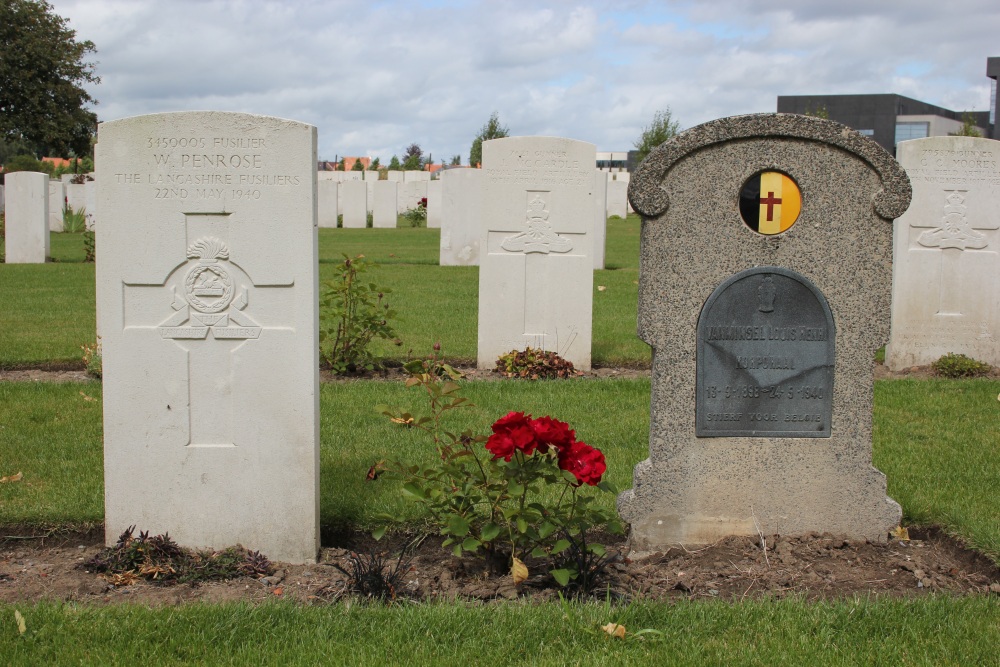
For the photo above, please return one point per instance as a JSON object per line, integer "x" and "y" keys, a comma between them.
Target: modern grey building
{"x": 889, "y": 119}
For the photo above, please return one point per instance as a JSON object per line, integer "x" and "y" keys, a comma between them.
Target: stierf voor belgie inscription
{"x": 208, "y": 169}
{"x": 765, "y": 358}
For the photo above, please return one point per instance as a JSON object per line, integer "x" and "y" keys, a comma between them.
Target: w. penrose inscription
{"x": 765, "y": 358}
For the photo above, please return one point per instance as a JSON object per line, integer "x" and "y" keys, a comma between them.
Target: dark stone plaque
{"x": 765, "y": 358}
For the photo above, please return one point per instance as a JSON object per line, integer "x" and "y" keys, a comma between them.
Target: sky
{"x": 377, "y": 76}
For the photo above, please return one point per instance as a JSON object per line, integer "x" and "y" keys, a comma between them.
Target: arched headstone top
{"x": 651, "y": 200}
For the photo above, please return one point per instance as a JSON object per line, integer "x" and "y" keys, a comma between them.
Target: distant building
{"x": 612, "y": 161}
{"x": 889, "y": 118}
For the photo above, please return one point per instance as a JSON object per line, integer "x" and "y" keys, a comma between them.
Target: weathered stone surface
{"x": 692, "y": 489}
{"x": 946, "y": 259}
{"x": 26, "y": 221}
{"x": 536, "y": 271}
{"x": 207, "y": 301}
{"x": 461, "y": 217}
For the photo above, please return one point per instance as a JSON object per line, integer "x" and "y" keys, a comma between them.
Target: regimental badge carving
{"x": 955, "y": 230}
{"x": 210, "y": 301}
{"x": 540, "y": 237}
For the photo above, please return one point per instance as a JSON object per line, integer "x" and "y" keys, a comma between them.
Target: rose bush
{"x": 527, "y": 490}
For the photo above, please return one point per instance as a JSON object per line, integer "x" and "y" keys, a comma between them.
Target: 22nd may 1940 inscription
{"x": 765, "y": 358}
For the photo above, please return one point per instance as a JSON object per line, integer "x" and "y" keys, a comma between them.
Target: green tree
{"x": 42, "y": 73}
{"x": 394, "y": 164}
{"x": 374, "y": 165}
{"x": 413, "y": 158}
{"x": 342, "y": 165}
{"x": 969, "y": 127}
{"x": 660, "y": 130}
{"x": 456, "y": 160}
{"x": 358, "y": 165}
{"x": 491, "y": 130}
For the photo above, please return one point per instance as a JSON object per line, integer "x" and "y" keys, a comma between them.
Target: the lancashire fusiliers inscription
{"x": 208, "y": 315}
{"x": 765, "y": 358}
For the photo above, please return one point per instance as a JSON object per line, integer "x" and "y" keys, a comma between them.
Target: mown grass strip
{"x": 929, "y": 631}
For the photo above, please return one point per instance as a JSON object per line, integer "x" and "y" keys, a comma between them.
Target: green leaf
{"x": 471, "y": 544}
{"x": 457, "y": 551}
{"x": 560, "y": 546}
{"x": 546, "y": 529}
{"x": 489, "y": 532}
{"x": 515, "y": 489}
{"x": 522, "y": 525}
{"x": 413, "y": 491}
{"x": 378, "y": 533}
{"x": 538, "y": 552}
{"x": 597, "y": 549}
{"x": 458, "y": 525}
{"x": 561, "y": 576}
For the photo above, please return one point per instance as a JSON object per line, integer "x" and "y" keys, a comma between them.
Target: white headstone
{"x": 26, "y": 220}
{"x": 946, "y": 253}
{"x": 76, "y": 196}
{"x": 90, "y": 192}
{"x": 434, "y": 204}
{"x": 414, "y": 175}
{"x": 461, "y": 217}
{"x": 326, "y": 200}
{"x": 536, "y": 271}
{"x": 329, "y": 176}
{"x": 207, "y": 302}
{"x": 601, "y": 213}
{"x": 617, "y": 199}
{"x": 57, "y": 204}
{"x": 410, "y": 193}
{"x": 371, "y": 175}
{"x": 384, "y": 205}
{"x": 352, "y": 176}
{"x": 354, "y": 196}
{"x": 394, "y": 176}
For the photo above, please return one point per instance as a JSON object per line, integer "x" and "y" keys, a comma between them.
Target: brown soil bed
{"x": 811, "y": 567}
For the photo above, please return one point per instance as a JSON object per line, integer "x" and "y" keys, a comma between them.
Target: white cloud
{"x": 377, "y": 76}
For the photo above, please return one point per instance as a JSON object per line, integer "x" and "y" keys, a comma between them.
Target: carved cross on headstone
{"x": 954, "y": 234}
{"x": 209, "y": 294}
{"x": 538, "y": 241}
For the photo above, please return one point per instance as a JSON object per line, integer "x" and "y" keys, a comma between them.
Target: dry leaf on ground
{"x": 614, "y": 630}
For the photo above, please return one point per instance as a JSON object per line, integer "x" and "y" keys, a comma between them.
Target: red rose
{"x": 510, "y": 433}
{"x": 585, "y": 462}
{"x": 549, "y": 431}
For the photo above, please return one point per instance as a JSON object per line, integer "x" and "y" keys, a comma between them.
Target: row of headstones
{"x": 762, "y": 380}
{"x": 384, "y": 200}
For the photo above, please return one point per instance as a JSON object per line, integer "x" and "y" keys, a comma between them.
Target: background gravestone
{"x": 461, "y": 217}
{"x": 326, "y": 202}
{"x": 601, "y": 224}
{"x": 207, "y": 301}
{"x": 946, "y": 260}
{"x": 536, "y": 272}
{"x": 26, "y": 221}
{"x": 354, "y": 204}
{"x": 434, "y": 204}
{"x": 617, "y": 192}
{"x": 57, "y": 203}
{"x": 384, "y": 214}
{"x": 751, "y": 331}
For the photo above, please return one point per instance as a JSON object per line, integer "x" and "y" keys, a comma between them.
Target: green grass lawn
{"x": 48, "y": 310}
{"x": 930, "y": 631}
